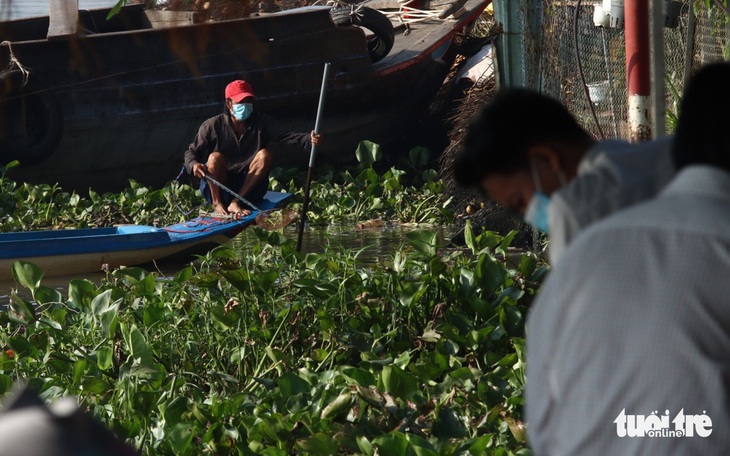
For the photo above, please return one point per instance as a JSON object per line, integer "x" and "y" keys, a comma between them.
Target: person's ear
{"x": 229, "y": 104}
{"x": 546, "y": 155}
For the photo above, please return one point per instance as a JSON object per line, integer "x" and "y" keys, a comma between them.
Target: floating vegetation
{"x": 413, "y": 194}
{"x": 274, "y": 352}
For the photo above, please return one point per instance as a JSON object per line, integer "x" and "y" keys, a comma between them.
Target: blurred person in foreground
{"x": 527, "y": 153}
{"x": 628, "y": 342}
{"x": 29, "y": 427}
{"x": 232, "y": 148}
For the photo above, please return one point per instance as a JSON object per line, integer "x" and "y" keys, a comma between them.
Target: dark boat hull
{"x": 125, "y": 101}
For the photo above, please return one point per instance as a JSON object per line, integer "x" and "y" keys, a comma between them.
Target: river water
{"x": 16, "y": 9}
{"x": 371, "y": 245}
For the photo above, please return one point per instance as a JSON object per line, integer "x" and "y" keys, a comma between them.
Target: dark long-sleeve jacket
{"x": 217, "y": 135}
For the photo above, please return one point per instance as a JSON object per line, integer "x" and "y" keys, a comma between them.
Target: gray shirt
{"x": 635, "y": 321}
{"x": 613, "y": 175}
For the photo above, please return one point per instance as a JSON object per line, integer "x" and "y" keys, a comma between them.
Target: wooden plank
{"x": 63, "y": 18}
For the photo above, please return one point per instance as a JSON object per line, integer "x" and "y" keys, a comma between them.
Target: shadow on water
{"x": 371, "y": 245}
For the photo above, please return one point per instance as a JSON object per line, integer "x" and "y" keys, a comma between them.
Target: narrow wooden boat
{"x": 64, "y": 252}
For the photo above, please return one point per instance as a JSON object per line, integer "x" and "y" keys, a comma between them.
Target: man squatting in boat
{"x": 231, "y": 147}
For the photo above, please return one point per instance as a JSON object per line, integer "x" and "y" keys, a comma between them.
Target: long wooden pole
{"x": 312, "y": 157}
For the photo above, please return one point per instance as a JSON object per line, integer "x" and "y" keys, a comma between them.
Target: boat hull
{"x": 125, "y": 101}
{"x": 65, "y": 252}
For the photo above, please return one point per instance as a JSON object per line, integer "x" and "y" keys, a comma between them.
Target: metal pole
{"x": 657, "y": 66}
{"x": 312, "y": 157}
{"x": 638, "y": 71}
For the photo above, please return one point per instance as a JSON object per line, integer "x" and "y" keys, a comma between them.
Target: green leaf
{"x": 46, "y": 295}
{"x": 27, "y": 274}
{"x": 105, "y": 311}
{"x": 180, "y": 438}
{"x": 469, "y": 237}
{"x": 105, "y": 357}
{"x": 21, "y": 311}
{"x": 20, "y": 346}
{"x": 418, "y": 156}
{"x": 425, "y": 242}
{"x": 95, "y": 385}
{"x": 447, "y": 425}
{"x": 490, "y": 273}
{"x": 393, "y": 444}
{"x": 420, "y": 446}
{"x": 398, "y": 382}
{"x": 138, "y": 347}
{"x": 80, "y": 368}
{"x": 100, "y": 303}
{"x": 80, "y": 293}
{"x": 291, "y": 384}
{"x": 527, "y": 266}
{"x": 339, "y": 405}
{"x": 6, "y": 384}
{"x": 224, "y": 320}
{"x": 360, "y": 376}
{"x": 174, "y": 410}
{"x": 184, "y": 274}
{"x": 318, "y": 444}
{"x": 364, "y": 445}
{"x": 368, "y": 152}
{"x": 134, "y": 273}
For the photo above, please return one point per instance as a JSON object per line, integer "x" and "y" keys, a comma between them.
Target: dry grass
{"x": 470, "y": 204}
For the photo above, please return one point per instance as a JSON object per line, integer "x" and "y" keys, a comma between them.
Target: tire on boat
{"x": 30, "y": 117}
{"x": 380, "y": 44}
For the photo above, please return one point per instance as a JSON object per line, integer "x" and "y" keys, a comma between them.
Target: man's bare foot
{"x": 236, "y": 208}
{"x": 220, "y": 209}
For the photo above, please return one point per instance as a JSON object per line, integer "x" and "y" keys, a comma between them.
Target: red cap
{"x": 238, "y": 90}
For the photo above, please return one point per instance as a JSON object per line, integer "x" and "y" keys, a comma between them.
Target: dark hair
{"x": 701, "y": 136}
{"x": 500, "y": 135}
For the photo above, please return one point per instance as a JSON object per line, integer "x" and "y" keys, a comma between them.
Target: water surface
{"x": 371, "y": 245}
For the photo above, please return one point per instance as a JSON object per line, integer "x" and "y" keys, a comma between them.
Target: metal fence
{"x": 566, "y": 40}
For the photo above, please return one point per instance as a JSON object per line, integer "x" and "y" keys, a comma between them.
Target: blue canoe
{"x": 64, "y": 252}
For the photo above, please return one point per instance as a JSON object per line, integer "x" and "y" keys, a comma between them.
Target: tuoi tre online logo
{"x": 656, "y": 425}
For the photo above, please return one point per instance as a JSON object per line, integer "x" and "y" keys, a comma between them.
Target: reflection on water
{"x": 371, "y": 244}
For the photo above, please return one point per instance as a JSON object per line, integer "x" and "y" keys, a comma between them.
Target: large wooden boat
{"x": 122, "y": 99}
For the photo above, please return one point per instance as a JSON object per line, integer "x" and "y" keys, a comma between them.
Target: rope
{"x": 232, "y": 193}
{"x": 264, "y": 219}
{"x": 414, "y": 14}
{"x": 186, "y": 214}
{"x": 15, "y": 64}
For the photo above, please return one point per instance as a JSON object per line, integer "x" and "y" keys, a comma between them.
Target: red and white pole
{"x": 638, "y": 69}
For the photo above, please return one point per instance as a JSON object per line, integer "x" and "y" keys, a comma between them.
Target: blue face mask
{"x": 242, "y": 111}
{"x": 537, "y": 209}
{"x": 537, "y": 212}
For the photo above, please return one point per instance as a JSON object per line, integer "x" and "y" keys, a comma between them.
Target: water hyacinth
{"x": 259, "y": 349}
{"x": 413, "y": 194}
{"x": 268, "y": 351}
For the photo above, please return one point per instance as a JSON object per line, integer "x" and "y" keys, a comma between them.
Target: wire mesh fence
{"x": 584, "y": 65}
